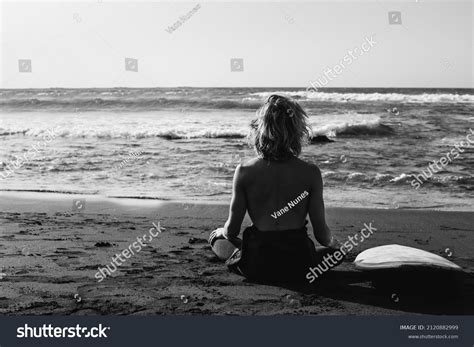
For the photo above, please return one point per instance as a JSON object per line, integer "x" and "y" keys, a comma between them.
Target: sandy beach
{"x": 50, "y": 254}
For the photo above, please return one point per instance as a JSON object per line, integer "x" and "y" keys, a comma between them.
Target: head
{"x": 280, "y": 129}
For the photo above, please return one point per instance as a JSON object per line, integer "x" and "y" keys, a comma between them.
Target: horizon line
{"x": 207, "y": 87}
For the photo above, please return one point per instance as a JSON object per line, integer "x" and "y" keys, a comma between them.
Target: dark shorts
{"x": 276, "y": 256}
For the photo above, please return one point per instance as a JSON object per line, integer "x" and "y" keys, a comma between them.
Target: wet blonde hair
{"x": 280, "y": 129}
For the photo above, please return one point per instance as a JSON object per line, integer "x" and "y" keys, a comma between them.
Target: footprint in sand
{"x": 291, "y": 301}
{"x": 102, "y": 244}
{"x": 25, "y": 251}
{"x": 422, "y": 242}
{"x": 194, "y": 240}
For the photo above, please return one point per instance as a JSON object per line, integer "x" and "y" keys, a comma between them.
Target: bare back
{"x": 278, "y": 195}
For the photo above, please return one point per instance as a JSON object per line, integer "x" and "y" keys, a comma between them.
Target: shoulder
{"x": 244, "y": 168}
{"x": 314, "y": 170}
{"x": 309, "y": 168}
{"x": 247, "y": 169}
{"x": 312, "y": 175}
{"x": 250, "y": 163}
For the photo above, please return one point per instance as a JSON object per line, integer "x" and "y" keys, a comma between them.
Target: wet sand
{"x": 50, "y": 254}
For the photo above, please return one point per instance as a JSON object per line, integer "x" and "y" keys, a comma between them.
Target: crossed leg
{"x": 224, "y": 248}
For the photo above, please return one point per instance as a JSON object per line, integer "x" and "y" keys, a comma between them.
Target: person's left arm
{"x": 237, "y": 210}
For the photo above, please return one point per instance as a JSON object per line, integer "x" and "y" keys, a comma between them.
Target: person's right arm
{"x": 316, "y": 211}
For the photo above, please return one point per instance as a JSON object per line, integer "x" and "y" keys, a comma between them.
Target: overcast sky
{"x": 282, "y": 44}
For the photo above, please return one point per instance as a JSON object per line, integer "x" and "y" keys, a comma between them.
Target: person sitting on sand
{"x": 278, "y": 190}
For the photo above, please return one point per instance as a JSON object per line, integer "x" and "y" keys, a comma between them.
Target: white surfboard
{"x": 395, "y": 256}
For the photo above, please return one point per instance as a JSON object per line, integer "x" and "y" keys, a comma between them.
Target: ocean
{"x": 184, "y": 143}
